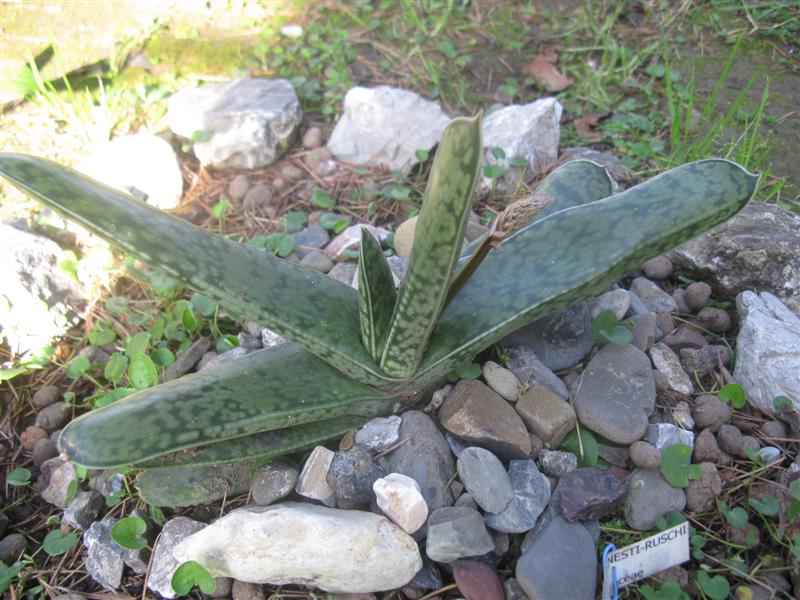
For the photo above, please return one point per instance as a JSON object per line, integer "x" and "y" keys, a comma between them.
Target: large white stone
{"x": 528, "y": 131}
{"x": 767, "y": 350}
{"x": 143, "y": 165}
{"x": 344, "y": 551}
{"x": 385, "y": 126}
{"x": 400, "y": 499}
{"x": 251, "y": 121}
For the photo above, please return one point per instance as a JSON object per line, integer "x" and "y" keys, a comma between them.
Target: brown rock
{"x": 644, "y": 455}
{"x": 30, "y": 436}
{"x": 589, "y": 494}
{"x": 46, "y": 396}
{"x": 709, "y": 411}
{"x": 685, "y": 337}
{"x": 715, "y": 320}
{"x": 477, "y": 580}
{"x": 702, "y": 493}
{"x": 697, "y": 295}
{"x": 53, "y": 417}
{"x": 475, "y": 413}
{"x": 773, "y": 429}
{"x": 730, "y": 439}
{"x": 44, "y": 450}
{"x": 706, "y": 448}
{"x": 238, "y": 186}
{"x": 547, "y": 415}
{"x": 659, "y": 267}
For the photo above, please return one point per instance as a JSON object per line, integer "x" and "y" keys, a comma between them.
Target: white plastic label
{"x": 646, "y": 557}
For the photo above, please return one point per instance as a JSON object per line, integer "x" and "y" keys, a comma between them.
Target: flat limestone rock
{"x": 343, "y": 551}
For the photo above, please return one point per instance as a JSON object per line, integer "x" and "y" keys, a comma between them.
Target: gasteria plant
{"x": 358, "y": 354}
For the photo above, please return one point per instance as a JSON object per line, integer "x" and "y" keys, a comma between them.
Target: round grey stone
{"x": 773, "y": 429}
{"x": 702, "y": 493}
{"x": 238, "y": 186}
{"x": 46, "y": 396}
{"x": 12, "y": 547}
{"x": 730, "y": 439}
{"x": 714, "y": 319}
{"x": 709, "y": 411}
{"x": 649, "y": 497}
{"x": 644, "y": 455}
{"x": 485, "y": 478}
{"x": 317, "y": 261}
{"x": 258, "y": 198}
{"x": 456, "y": 532}
{"x": 697, "y": 295}
{"x": 706, "y": 448}
{"x": 273, "y": 482}
{"x": 45, "y": 449}
{"x": 53, "y": 417}
{"x": 659, "y": 267}
{"x": 653, "y": 297}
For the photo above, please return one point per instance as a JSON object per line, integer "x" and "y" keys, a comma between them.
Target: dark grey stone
{"x": 456, "y": 532}
{"x": 425, "y": 457}
{"x": 531, "y": 495}
{"x": 104, "y": 557}
{"x": 560, "y": 562}
{"x": 649, "y": 497}
{"x": 560, "y": 340}
{"x": 351, "y": 475}
{"x": 313, "y": 236}
{"x": 53, "y": 417}
{"x": 45, "y": 396}
{"x": 83, "y": 510}
{"x": 12, "y": 547}
{"x": 644, "y": 330}
{"x": 186, "y": 360}
{"x": 705, "y": 360}
{"x": 428, "y": 577}
{"x": 653, "y": 297}
{"x": 485, "y": 478}
{"x": 589, "y": 494}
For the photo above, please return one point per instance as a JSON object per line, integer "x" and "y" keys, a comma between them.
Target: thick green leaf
{"x": 300, "y": 304}
{"x": 577, "y": 253}
{"x": 266, "y": 390}
{"x": 192, "y": 485}
{"x": 437, "y": 246}
{"x": 376, "y": 294}
{"x": 266, "y": 445}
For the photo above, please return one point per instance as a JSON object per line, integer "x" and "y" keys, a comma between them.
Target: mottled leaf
{"x": 437, "y": 245}
{"x": 376, "y": 294}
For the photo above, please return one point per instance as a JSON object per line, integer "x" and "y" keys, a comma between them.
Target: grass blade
{"x": 437, "y": 245}
{"x": 376, "y": 294}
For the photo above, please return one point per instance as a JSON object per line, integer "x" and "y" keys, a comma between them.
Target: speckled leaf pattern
{"x": 300, "y": 304}
{"x": 192, "y": 485}
{"x": 266, "y": 390}
{"x": 437, "y": 246}
{"x": 376, "y": 294}
{"x": 577, "y": 253}
{"x": 266, "y": 445}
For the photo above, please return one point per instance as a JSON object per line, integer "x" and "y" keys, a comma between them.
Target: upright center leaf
{"x": 437, "y": 246}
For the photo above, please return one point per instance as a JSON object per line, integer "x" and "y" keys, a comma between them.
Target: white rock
{"x": 668, "y": 363}
{"x": 617, "y": 301}
{"x": 529, "y": 131}
{"x": 767, "y": 350}
{"x": 251, "y": 121}
{"x": 312, "y": 482}
{"x": 385, "y": 126}
{"x": 501, "y": 380}
{"x": 335, "y": 550}
{"x": 143, "y": 165}
{"x": 380, "y": 433}
{"x": 400, "y": 499}
{"x": 350, "y": 239}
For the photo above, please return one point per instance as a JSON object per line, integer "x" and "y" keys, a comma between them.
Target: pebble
{"x": 702, "y": 493}
{"x": 404, "y": 237}
{"x": 312, "y": 481}
{"x": 664, "y": 435}
{"x": 423, "y": 455}
{"x": 484, "y": 476}
{"x": 57, "y": 490}
{"x": 351, "y": 474}
{"x": 617, "y": 301}
{"x": 682, "y": 414}
{"x": 659, "y": 267}
{"x": 537, "y": 444}
{"x": 12, "y": 547}
{"x": 649, "y": 497}
{"x": 644, "y": 330}
{"x": 380, "y": 433}
{"x": 467, "y": 500}
{"x": 317, "y": 261}
{"x": 30, "y": 436}
{"x": 589, "y": 494}
{"x": 480, "y": 416}
{"x": 83, "y": 510}
{"x": 773, "y": 429}
{"x": 709, "y": 411}
{"x": 313, "y": 236}
{"x": 679, "y": 295}
{"x": 653, "y": 297}
{"x": 457, "y": 446}
{"x": 704, "y": 361}
{"x": 560, "y": 340}
{"x": 344, "y": 272}
{"x": 715, "y": 320}
{"x": 665, "y": 324}
{"x": 164, "y": 564}
{"x": 456, "y": 532}
{"x": 105, "y": 559}
{"x": 400, "y": 499}
{"x": 238, "y": 186}
{"x": 290, "y": 172}
{"x": 258, "y": 198}
{"x": 501, "y": 380}
{"x": 477, "y": 581}
{"x": 428, "y": 577}
{"x": 312, "y": 138}
{"x": 45, "y": 396}
{"x": 749, "y": 445}
{"x": 697, "y": 295}
{"x": 617, "y": 394}
{"x": 224, "y": 586}
{"x": 557, "y": 463}
{"x": 53, "y": 417}
{"x": 645, "y": 455}
{"x": 243, "y": 590}
{"x": 43, "y": 450}
{"x": 706, "y": 448}
{"x": 186, "y": 360}
{"x": 273, "y": 482}
{"x": 530, "y": 371}
{"x": 547, "y": 415}
{"x": 531, "y": 495}
{"x": 668, "y": 364}
{"x": 685, "y": 337}
{"x": 730, "y": 439}
{"x": 560, "y": 562}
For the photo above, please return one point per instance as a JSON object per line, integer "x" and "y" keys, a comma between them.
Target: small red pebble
{"x": 477, "y": 580}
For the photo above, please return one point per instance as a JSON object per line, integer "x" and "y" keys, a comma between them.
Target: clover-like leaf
{"x": 19, "y": 477}
{"x": 142, "y": 372}
{"x": 767, "y": 506}
{"x": 56, "y": 543}
{"x": 7, "y": 574}
{"x": 669, "y": 590}
{"x": 128, "y": 532}
{"x": 716, "y": 588}
{"x": 586, "y": 450}
{"x": 733, "y": 394}
{"x": 606, "y": 328}
{"x": 675, "y": 466}
{"x": 190, "y": 574}
{"x": 736, "y": 516}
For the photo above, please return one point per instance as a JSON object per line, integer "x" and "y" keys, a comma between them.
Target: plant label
{"x": 644, "y": 558}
